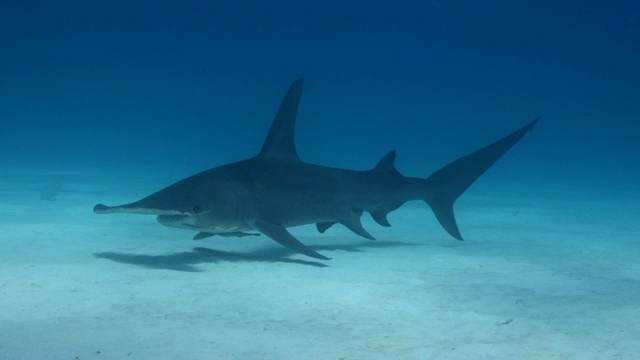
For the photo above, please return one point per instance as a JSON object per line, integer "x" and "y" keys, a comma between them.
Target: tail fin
{"x": 448, "y": 183}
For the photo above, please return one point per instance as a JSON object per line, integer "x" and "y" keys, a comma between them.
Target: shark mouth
{"x": 195, "y": 222}
{"x": 174, "y": 220}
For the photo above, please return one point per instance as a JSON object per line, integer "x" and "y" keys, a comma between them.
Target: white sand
{"x": 544, "y": 273}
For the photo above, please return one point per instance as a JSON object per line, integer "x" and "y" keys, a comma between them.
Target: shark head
{"x": 195, "y": 203}
{"x": 180, "y": 199}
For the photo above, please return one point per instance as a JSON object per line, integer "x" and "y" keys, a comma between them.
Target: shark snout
{"x": 104, "y": 209}
{"x": 134, "y": 209}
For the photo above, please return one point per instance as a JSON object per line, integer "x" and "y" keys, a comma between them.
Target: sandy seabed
{"x": 545, "y": 272}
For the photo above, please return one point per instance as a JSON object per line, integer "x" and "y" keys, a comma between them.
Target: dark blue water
{"x": 190, "y": 85}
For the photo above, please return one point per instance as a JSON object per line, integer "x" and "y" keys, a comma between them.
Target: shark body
{"x": 275, "y": 190}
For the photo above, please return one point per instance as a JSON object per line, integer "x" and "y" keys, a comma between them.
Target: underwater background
{"x": 109, "y": 101}
{"x": 184, "y": 86}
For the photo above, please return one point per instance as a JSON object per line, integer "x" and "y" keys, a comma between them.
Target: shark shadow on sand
{"x": 186, "y": 261}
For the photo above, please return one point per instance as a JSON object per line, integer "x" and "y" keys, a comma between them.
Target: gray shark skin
{"x": 275, "y": 190}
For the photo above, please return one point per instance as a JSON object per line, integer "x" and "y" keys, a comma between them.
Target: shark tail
{"x": 447, "y": 184}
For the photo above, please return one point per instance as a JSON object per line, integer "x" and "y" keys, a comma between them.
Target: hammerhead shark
{"x": 275, "y": 190}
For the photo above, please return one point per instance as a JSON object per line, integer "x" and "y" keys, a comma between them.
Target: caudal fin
{"x": 448, "y": 183}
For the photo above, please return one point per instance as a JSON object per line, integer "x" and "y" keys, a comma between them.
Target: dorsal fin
{"x": 386, "y": 163}
{"x": 280, "y": 140}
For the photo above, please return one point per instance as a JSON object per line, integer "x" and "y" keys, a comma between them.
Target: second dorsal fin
{"x": 386, "y": 163}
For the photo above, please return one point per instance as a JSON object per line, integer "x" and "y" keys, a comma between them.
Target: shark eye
{"x": 196, "y": 209}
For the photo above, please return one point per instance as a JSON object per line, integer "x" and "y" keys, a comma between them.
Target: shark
{"x": 275, "y": 190}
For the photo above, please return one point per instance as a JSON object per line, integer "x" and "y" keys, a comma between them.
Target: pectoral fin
{"x": 280, "y": 235}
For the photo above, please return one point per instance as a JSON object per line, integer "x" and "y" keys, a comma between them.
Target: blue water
{"x": 165, "y": 89}
{"x": 196, "y": 84}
